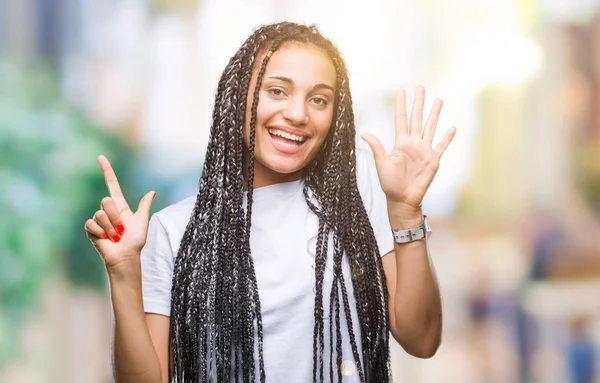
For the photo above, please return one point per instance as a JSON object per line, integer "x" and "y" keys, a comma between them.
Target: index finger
{"x": 112, "y": 183}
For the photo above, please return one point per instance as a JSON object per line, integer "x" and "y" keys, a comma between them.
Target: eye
{"x": 320, "y": 101}
{"x": 277, "y": 92}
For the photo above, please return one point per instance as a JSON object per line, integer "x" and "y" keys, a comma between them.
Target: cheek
{"x": 324, "y": 126}
{"x": 265, "y": 110}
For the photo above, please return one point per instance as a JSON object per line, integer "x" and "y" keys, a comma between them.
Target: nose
{"x": 295, "y": 112}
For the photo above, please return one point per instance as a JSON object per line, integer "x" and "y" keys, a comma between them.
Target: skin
{"x": 405, "y": 175}
{"x": 296, "y": 95}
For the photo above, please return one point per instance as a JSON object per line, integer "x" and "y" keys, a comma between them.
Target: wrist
{"x": 125, "y": 269}
{"x": 403, "y": 216}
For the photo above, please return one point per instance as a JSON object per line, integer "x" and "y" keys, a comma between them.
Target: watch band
{"x": 414, "y": 234}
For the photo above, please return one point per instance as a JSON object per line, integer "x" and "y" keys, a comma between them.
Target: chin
{"x": 284, "y": 164}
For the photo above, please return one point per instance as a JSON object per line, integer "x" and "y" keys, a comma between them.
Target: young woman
{"x": 299, "y": 254}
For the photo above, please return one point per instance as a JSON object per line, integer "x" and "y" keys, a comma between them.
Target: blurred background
{"x": 514, "y": 207}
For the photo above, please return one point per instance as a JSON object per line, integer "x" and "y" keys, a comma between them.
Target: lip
{"x": 287, "y": 129}
{"x": 283, "y": 148}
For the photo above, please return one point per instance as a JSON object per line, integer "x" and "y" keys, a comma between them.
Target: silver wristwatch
{"x": 416, "y": 233}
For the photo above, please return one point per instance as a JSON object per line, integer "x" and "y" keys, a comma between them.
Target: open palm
{"x": 406, "y": 173}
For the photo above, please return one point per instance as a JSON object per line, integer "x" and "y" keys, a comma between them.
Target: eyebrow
{"x": 290, "y": 81}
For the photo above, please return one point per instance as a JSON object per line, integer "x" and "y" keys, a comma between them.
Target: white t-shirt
{"x": 283, "y": 241}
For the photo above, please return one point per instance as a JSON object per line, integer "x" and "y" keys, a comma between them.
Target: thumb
{"x": 146, "y": 203}
{"x": 375, "y": 145}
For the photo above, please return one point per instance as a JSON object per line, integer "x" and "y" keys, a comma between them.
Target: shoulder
{"x": 363, "y": 155}
{"x": 374, "y": 199}
{"x": 366, "y": 173}
{"x": 165, "y": 231}
{"x": 365, "y": 163}
{"x": 177, "y": 215}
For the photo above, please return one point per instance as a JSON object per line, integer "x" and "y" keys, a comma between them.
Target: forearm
{"x": 417, "y": 305}
{"x": 134, "y": 357}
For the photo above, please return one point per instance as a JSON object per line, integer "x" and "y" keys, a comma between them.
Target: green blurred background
{"x": 514, "y": 207}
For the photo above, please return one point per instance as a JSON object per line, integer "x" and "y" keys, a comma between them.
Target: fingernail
{"x": 116, "y": 238}
{"x": 153, "y": 195}
{"x": 105, "y": 236}
{"x": 120, "y": 228}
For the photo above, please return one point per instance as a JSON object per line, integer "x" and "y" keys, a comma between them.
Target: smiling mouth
{"x": 285, "y": 138}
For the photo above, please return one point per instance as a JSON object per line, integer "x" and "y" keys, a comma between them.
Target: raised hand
{"x": 117, "y": 233}
{"x": 406, "y": 173}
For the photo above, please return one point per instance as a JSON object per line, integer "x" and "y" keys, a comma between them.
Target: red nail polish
{"x": 116, "y": 238}
{"x": 153, "y": 195}
{"x": 120, "y": 228}
{"x": 105, "y": 236}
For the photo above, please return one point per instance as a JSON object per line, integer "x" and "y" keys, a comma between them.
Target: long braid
{"x": 234, "y": 151}
{"x": 257, "y": 311}
{"x": 366, "y": 265}
{"x": 359, "y": 240}
{"x": 216, "y": 323}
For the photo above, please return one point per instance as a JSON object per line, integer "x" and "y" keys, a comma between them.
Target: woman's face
{"x": 294, "y": 112}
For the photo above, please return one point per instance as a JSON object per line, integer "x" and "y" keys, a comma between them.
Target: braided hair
{"x": 216, "y": 323}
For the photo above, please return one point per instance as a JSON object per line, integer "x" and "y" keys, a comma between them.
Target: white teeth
{"x": 289, "y": 136}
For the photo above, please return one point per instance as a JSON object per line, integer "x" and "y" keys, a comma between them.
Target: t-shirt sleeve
{"x": 157, "y": 269}
{"x": 374, "y": 200}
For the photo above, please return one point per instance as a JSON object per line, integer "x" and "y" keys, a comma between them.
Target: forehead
{"x": 303, "y": 63}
